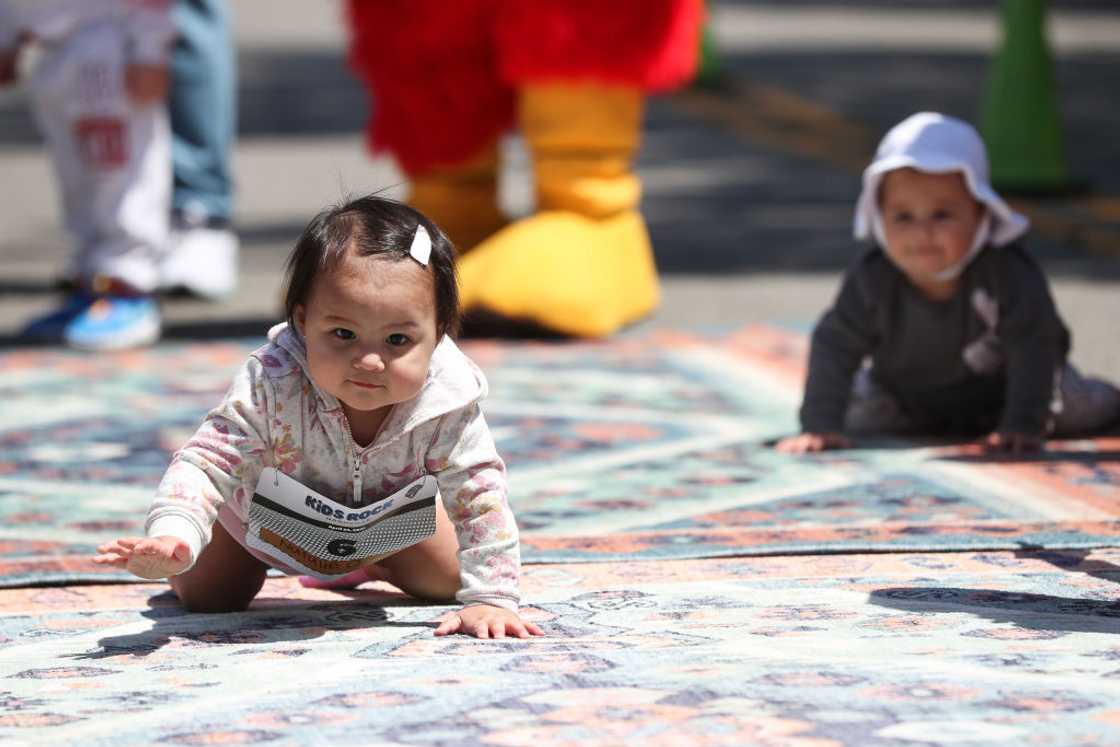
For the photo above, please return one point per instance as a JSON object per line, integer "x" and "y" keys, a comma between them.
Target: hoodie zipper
{"x": 356, "y": 473}
{"x": 298, "y": 352}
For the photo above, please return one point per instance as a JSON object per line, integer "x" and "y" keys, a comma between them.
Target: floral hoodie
{"x": 275, "y": 416}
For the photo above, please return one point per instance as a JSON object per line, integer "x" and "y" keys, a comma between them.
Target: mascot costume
{"x": 448, "y": 77}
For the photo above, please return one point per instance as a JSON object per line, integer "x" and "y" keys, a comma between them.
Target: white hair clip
{"x": 421, "y": 249}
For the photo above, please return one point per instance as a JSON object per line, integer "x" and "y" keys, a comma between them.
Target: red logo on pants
{"x": 102, "y": 141}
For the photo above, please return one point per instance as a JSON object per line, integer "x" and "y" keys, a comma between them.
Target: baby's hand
{"x": 1016, "y": 443}
{"x": 486, "y": 621}
{"x": 146, "y": 83}
{"x": 146, "y": 557}
{"x": 807, "y": 442}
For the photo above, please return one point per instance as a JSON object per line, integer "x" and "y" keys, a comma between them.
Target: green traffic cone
{"x": 1021, "y": 123}
{"x": 709, "y": 70}
{"x": 709, "y": 67}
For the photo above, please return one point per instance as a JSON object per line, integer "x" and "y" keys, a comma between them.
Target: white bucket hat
{"x": 936, "y": 144}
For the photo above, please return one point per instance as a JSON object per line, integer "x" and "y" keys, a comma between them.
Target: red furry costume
{"x": 448, "y": 77}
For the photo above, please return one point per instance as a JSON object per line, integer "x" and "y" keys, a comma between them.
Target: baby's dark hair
{"x": 370, "y": 226}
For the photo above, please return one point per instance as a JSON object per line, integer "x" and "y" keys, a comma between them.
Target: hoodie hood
{"x": 453, "y": 382}
{"x": 936, "y": 144}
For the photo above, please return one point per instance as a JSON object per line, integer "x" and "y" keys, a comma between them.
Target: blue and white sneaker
{"x": 51, "y": 327}
{"x": 115, "y": 323}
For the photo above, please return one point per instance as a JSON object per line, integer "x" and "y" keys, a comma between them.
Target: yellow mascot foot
{"x": 568, "y": 273}
{"x": 462, "y": 199}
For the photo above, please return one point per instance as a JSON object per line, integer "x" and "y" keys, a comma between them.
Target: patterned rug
{"x": 966, "y": 648}
{"x": 648, "y": 447}
{"x": 774, "y": 600}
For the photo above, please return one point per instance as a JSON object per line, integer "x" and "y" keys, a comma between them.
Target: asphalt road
{"x": 749, "y": 187}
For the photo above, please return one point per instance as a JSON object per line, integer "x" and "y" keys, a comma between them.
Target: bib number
{"x": 320, "y": 537}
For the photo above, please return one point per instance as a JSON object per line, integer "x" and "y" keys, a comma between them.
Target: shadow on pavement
{"x": 202, "y": 329}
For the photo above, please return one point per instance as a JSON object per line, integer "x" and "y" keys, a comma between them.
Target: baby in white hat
{"x": 946, "y": 327}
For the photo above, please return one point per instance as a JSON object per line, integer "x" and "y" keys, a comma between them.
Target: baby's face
{"x": 929, "y": 221}
{"x": 370, "y": 330}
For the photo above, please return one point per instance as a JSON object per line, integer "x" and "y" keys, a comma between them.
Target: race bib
{"x": 317, "y": 536}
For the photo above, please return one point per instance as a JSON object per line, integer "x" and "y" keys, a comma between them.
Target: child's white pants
{"x": 112, "y": 158}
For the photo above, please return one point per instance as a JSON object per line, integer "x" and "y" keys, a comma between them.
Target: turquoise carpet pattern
{"x": 815, "y": 651}
{"x": 696, "y": 587}
{"x": 650, "y": 447}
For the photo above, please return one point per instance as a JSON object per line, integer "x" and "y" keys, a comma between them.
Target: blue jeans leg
{"x": 203, "y": 109}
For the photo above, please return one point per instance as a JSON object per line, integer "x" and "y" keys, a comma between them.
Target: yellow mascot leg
{"x": 582, "y": 265}
{"x": 462, "y": 199}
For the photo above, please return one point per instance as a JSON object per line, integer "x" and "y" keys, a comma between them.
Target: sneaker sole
{"x": 140, "y": 336}
{"x": 185, "y": 290}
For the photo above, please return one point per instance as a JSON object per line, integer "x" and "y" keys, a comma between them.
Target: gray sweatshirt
{"x": 984, "y": 359}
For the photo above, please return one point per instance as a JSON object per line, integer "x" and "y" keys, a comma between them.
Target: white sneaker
{"x": 201, "y": 261}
